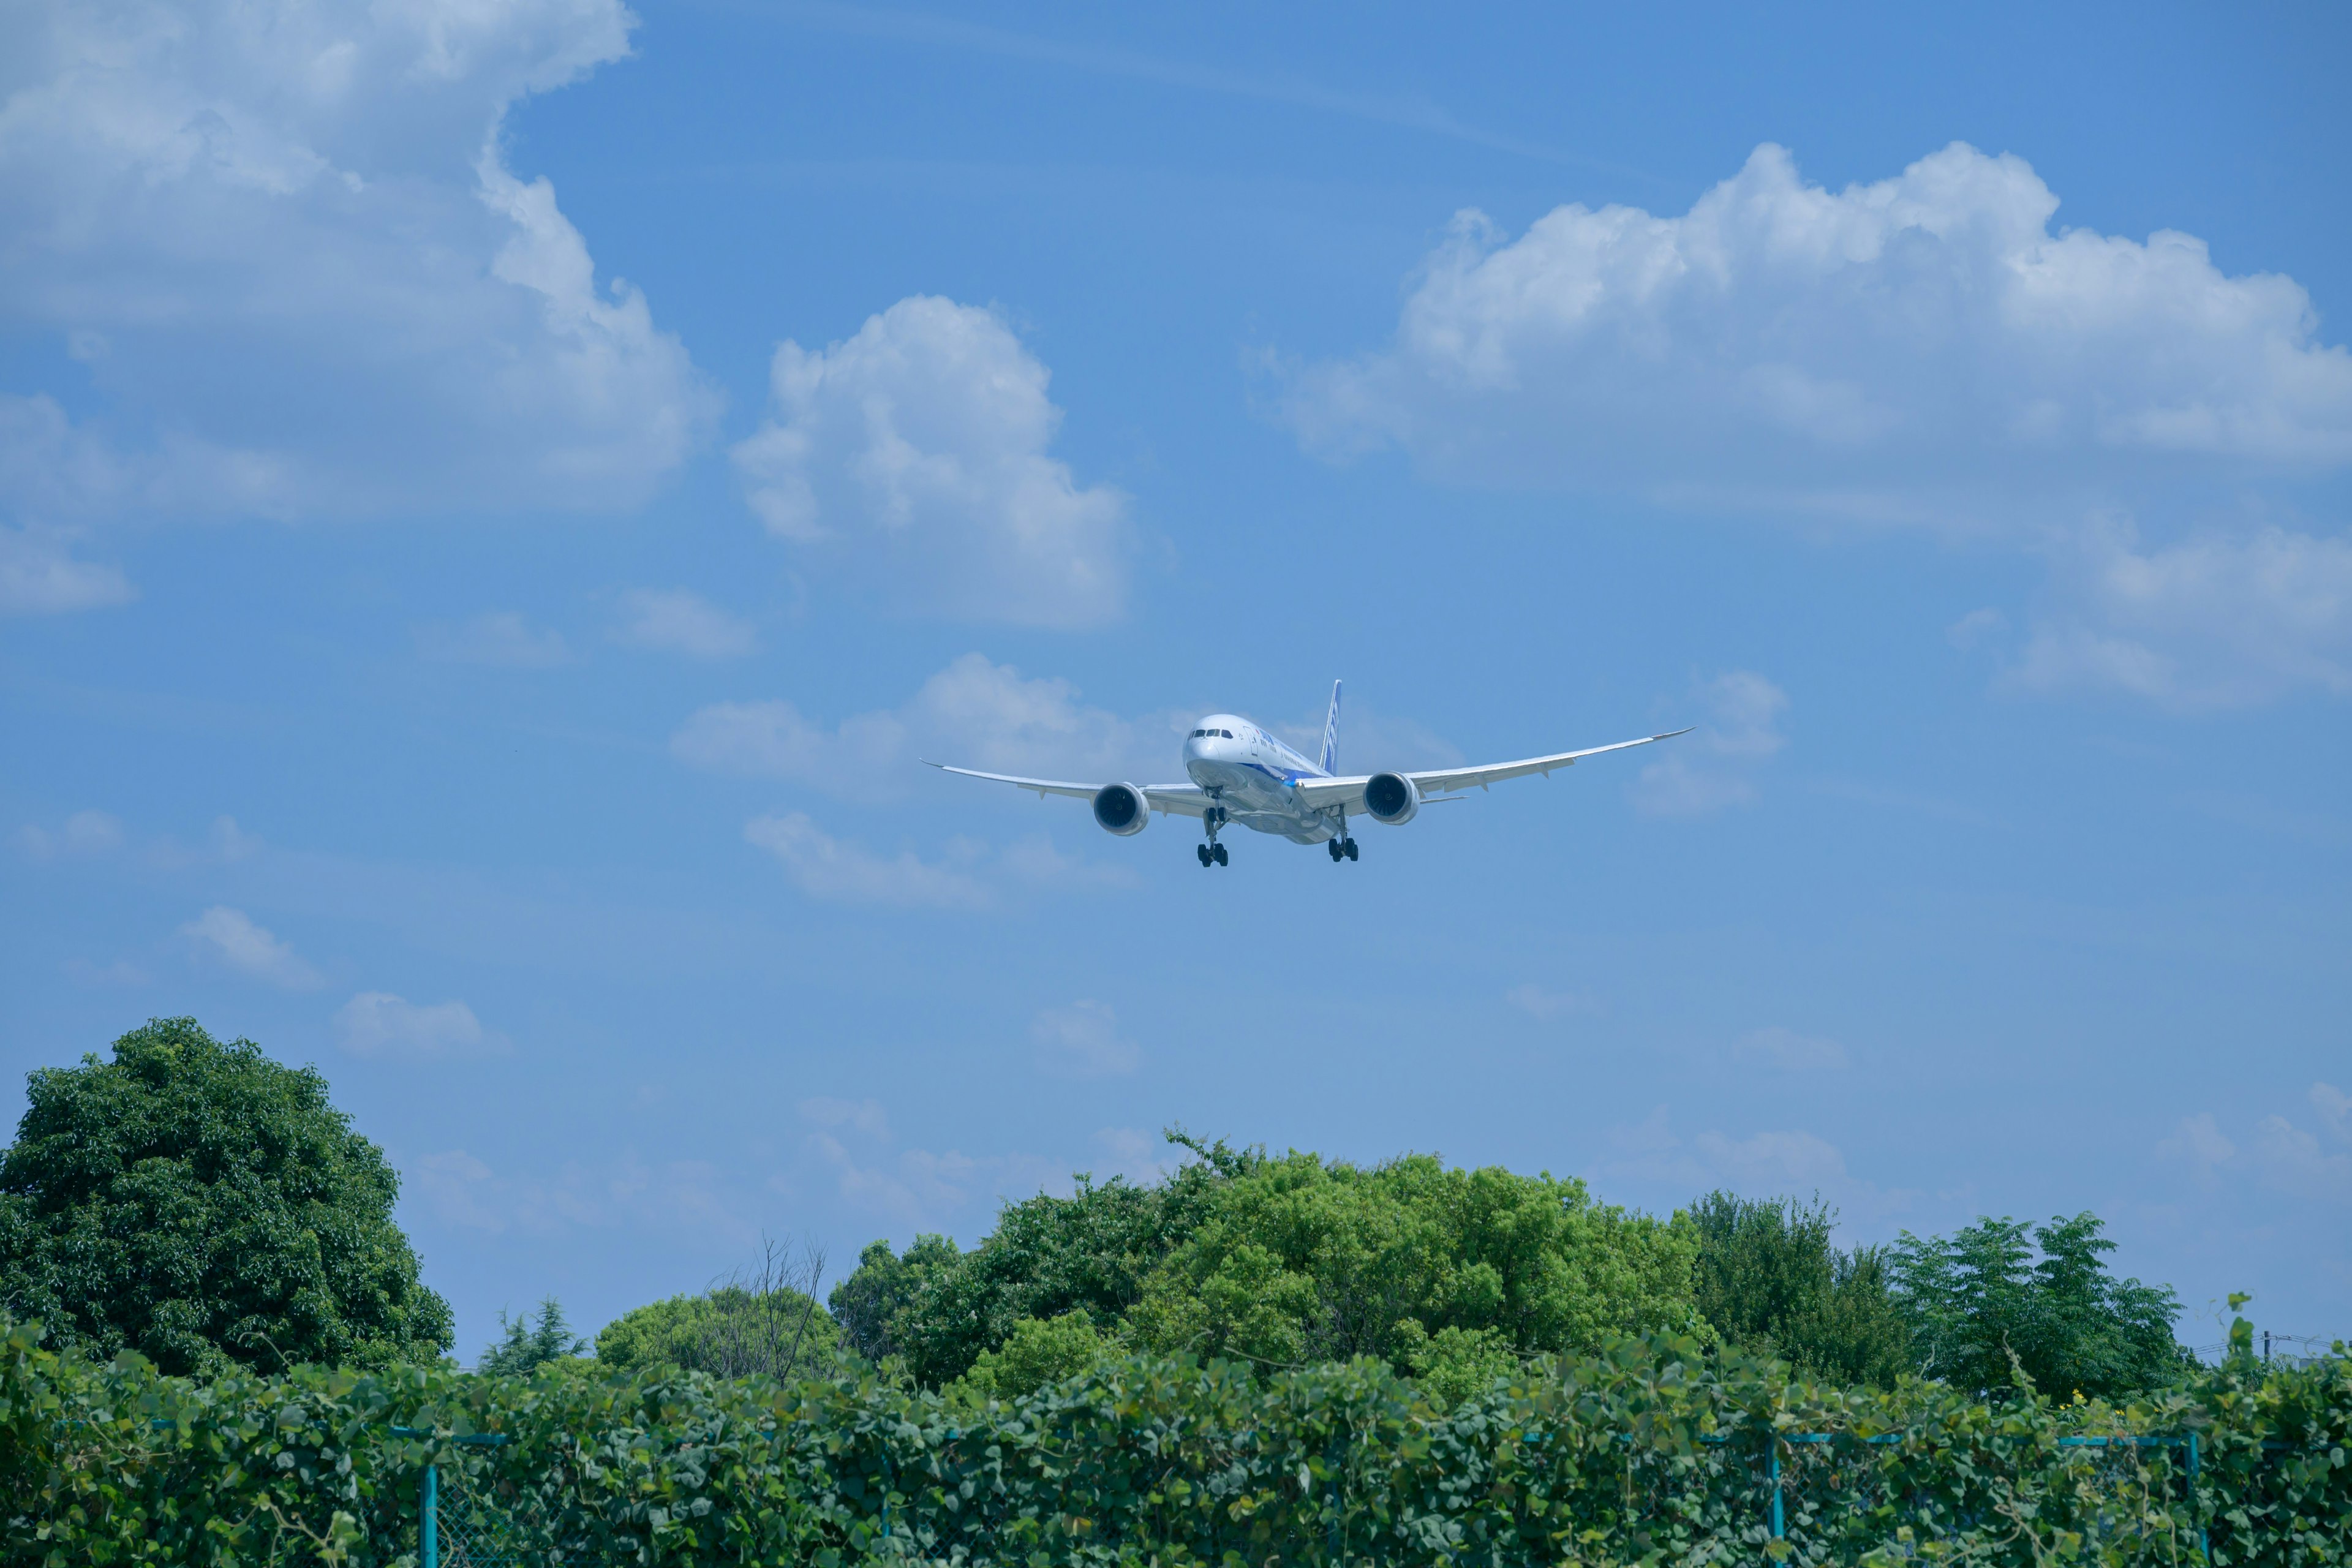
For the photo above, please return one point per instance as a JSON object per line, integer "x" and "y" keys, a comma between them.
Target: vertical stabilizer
{"x": 1331, "y": 733}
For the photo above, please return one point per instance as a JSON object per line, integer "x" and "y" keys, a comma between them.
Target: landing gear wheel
{"x": 1347, "y": 848}
{"x": 1336, "y": 851}
{"x": 1203, "y": 851}
{"x": 1218, "y": 850}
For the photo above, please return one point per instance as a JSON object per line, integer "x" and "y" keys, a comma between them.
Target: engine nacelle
{"x": 1392, "y": 799}
{"x": 1120, "y": 808}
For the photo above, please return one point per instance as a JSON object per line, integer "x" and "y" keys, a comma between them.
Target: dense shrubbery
{"x": 1651, "y": 1452}
{"x": 206, "y": 1207}
{"x": 1453, "y": 1275}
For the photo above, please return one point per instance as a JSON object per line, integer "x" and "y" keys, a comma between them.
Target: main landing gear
{"x": 1341, "y": 848}
{"x": 1212, "y": 853}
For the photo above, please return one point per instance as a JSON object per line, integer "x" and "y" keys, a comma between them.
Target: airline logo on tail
{"x": 1331, "y": 733}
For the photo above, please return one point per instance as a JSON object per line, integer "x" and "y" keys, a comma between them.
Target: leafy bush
{"x": 1452, "y": 1273}
{"x": 524, "y": 1346}
{"x": 1654, "y": 1451}
{"x": 1770, "y": 1280}
{"x": 1981, "y": 1308}
{"x": 205, "y": 1206}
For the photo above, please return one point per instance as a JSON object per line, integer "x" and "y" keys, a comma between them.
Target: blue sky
{"x": 495, "y": 501}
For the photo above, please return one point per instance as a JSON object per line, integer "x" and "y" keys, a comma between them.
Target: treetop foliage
{"x": 1772, "y": 1282}
{"x": 204, "y": 1205}
{"x": 1980, "y": 1297}
{"x": 523, "y": 1346}
{"x": 1285, "y": 1261}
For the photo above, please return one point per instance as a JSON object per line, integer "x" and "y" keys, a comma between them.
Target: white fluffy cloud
{"x": 284, "y": 242}
{"x": 1082, "y": 1040}
{"x": 914, "y": 455}
{"x": 839, "y": 871}
{"x": 40, "y": 576}
{"x": 973, "y": 713}
{"x": 1715, "y": 767}
{"x": 377, "y": 1023}
{"x": 1782, "y": 341}
{"x": 230, "y": 936}
{"x": 677, "y": 621}
{"x": 2213, "y": 621}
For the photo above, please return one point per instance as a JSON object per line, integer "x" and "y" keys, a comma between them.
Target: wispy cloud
{"x": 230, "y": 937}
{"x": 500, "y": 640}
{"x": 1716, "y": 767}
{"x": 832, "y": 868}
{"x": 378, "y": 1024}
{"x": 40, "y": 576}
{"x": 1410, "y": 111}
{"x": 1082, "y": 1040}
{"x": 677, "y": 621}
{"x": 1788, "y": 1050}
{"x": 83, "y": 833}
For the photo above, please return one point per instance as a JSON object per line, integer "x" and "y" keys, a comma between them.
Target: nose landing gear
{"x": 1212, "y": 853}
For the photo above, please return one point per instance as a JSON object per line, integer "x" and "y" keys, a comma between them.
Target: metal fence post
{"x": 1773, "y": 1469}
{"x": 2196, "y": 1509}
{"x": 429, "y": 1516}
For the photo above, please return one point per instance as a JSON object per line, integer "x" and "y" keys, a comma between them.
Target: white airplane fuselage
{"x": 1254, "y": 779}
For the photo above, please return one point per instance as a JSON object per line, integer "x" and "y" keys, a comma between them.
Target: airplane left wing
{"x": 1441, "y": 782}
{"x": 1183, "y": 800}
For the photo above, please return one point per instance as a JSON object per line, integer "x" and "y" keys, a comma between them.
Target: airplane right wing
{"x": 1438, "y": 784}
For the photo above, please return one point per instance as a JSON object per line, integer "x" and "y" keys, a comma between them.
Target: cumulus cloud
{"x": 974, "y": 714}
{"x": 83, "y": 833}
{"x": 40, "y": 576}
{"x": 839, "y": 871}
{"x": 288, "y": 237}
{"x": 2218, "y": 620}
{"x": 1715, "y": 767}
{"x": 914, "y": 455}
{"x": 1082, "y": 1040}
{"x": 1840, "y": 350}
{"x": 500, "y": 640}
{"x": 230, "y": 936}
{"x": 677, "y": 621}
{"x": 377, "y": 1023}
{"x": 1788, "y": 1050}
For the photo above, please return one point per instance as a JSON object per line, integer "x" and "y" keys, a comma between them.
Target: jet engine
{"x": 1391, "y": 798}
{"x": 1121, "y": 809}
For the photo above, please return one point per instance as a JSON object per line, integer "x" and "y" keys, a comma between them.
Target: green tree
{"x": 730, "y": 1332}
{"x": 1039, "y": 1351}
{"x": 1304, "y": 1262}
{"x": 937, "y": 1308}
{"x": 202, "y": 1204}
{"x": 1976, "y": 1299}
{"x": 1772, "y": 1283}
{"x": 524, "y": 1346}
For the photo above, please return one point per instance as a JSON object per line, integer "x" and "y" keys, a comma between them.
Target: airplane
{"x": 1243, "y": 776}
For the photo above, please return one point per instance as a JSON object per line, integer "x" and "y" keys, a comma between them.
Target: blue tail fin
{"x": 1331, "y": 733}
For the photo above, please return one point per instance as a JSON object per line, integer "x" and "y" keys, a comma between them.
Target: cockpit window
{"x": 1228, "y": 735}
